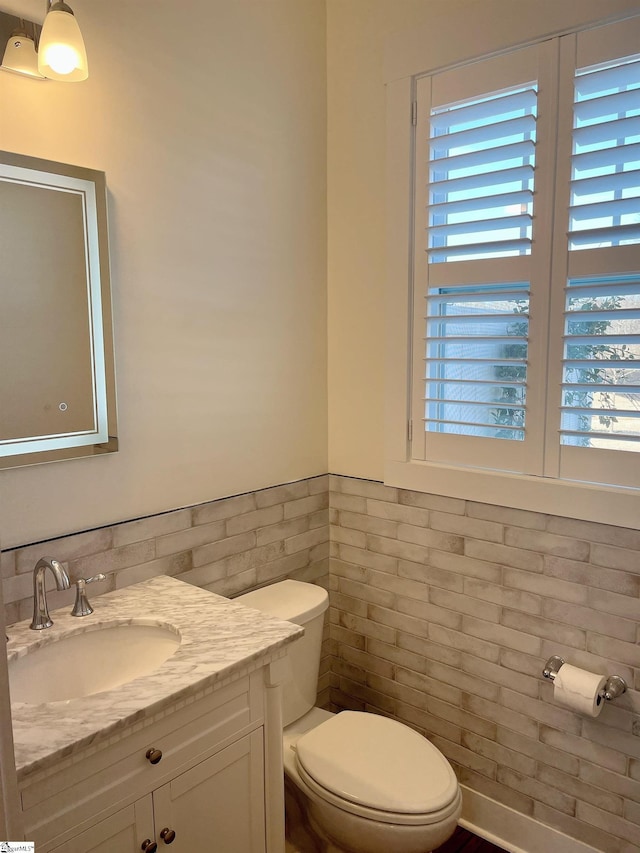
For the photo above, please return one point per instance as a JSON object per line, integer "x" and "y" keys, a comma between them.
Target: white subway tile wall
{"x": 443, "y": 612}
{"x": 228, "y": 546}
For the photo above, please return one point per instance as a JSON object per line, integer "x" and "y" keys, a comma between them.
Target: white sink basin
{"x": 86, "y": 662}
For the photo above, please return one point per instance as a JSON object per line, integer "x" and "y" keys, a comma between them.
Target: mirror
{"x": 57, "y": 382}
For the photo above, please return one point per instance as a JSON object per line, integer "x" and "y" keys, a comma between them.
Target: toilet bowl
{"x": 371, "y": 784}
{"x": 366, "y": 783}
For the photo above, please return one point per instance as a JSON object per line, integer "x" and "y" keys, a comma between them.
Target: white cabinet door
{"x": 123, "y": 832}
{"x": 218, "y": 805}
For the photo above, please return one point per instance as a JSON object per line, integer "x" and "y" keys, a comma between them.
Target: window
{"x": 526, "y": 266}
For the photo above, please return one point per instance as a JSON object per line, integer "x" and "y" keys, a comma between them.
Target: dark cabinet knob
{"x": 167, "y": 835}
{"x": 149, "y": 846}
{"x": 154, "y": 755}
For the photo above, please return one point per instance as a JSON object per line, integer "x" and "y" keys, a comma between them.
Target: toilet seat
{"x": 377, "y": 768}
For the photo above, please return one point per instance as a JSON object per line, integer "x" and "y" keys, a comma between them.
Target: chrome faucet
{"x": 41, "y": 618}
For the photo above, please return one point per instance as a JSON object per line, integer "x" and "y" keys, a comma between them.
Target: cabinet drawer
{"x": 99, "y": 783}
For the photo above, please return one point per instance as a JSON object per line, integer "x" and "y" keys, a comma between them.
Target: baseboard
{"x": 512, "y": 830}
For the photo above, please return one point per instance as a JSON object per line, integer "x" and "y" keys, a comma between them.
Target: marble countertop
{"x": 219, "y": 640}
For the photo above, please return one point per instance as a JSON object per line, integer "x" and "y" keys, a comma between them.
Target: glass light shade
{"x": 20, "y": 56}
{"x": 61, "y": 53}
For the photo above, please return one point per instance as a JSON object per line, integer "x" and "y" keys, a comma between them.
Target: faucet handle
{"x": 82, "y": 606}
{"x": 98, "y": 577}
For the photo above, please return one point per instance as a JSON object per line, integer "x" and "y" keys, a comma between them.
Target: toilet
{"x": 366, "y": 783}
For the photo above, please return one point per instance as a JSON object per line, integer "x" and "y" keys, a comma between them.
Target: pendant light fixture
{"x": 20, "y": 56}
{"x": 61, "y": 52}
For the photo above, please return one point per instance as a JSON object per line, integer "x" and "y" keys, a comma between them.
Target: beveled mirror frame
{"x": 99, "y": 434}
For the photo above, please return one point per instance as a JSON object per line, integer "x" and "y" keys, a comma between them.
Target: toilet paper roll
{"x": 579, "y": 690}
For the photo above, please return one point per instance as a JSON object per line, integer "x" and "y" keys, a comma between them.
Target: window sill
{"x": 583, "y": 501}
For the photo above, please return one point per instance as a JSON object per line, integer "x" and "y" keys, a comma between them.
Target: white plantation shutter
{"x": 601, "y": 365}
{"x": 477, "y": 181}
{"x": 526, "y": 331}
{"x": 476, "y": 363}
{"x": 597, "y": 260}
{"x": 482, "y": 176}
{"x": 605, "y": 181}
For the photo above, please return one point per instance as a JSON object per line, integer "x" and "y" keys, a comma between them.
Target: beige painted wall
{"x": 370, "y": 41}
{"x": 209, "y": 119}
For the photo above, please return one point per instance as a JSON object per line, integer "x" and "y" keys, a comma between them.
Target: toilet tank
{"x": 304, "y": 604}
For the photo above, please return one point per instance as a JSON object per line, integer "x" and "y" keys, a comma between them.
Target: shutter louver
{"x": 476, "y": 360}
{"x": 482, "y": 161}
{"x": 601, "y": 368}
{"x": 605, "y": 166}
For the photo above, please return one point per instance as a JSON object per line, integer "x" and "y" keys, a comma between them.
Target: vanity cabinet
{"x": 124, "y": 831}
{"x": 218, "y": 804}
{"x": 206, "y": 785}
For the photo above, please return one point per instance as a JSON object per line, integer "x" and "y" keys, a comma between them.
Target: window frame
{"x": 618, "y": 505}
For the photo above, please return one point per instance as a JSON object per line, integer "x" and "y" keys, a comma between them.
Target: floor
{"x": 460, "y": 842}
{"x": 464, "y": 842}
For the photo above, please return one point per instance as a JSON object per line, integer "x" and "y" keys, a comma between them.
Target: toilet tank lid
{"x": 293, "y": 601}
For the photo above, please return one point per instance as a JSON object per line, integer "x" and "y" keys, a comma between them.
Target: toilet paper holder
{"x": 614, "y": 686}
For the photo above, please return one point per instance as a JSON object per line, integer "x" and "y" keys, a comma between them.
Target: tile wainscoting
{"x": 227, "y": 546}
{"x": 442, "y": 614}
